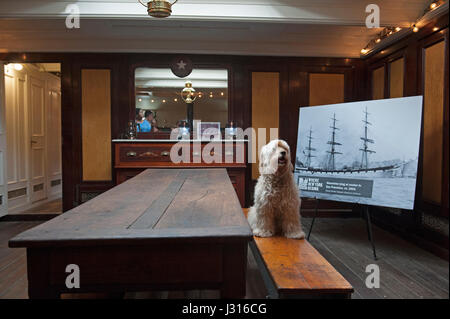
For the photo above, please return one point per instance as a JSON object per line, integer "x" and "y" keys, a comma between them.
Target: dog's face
{"x": 275, "y": 158}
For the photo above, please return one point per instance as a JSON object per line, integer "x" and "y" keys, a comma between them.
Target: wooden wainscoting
{"x": 433, "y": 117}
{"x": 378, "y": 83}
{"x": 331, "y": 83}
{"x": 396, "y": 78}
{"x": 96, "y": 124}
{"x": 265, "y": 109}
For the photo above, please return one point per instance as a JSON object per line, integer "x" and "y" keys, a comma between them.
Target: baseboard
{"x": 436, "y": 246}
{"x": 329, "y": 213}
{"x": 27, "y": 217}
{"x": 27, "y": 206}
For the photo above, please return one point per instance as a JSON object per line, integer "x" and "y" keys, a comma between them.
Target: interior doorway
{"x": 32, "y": 136}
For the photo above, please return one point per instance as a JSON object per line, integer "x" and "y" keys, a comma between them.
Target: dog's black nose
{"x": 283, "y": 153}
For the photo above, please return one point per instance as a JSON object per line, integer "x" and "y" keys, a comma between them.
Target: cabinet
{"x": 134, "y": 156}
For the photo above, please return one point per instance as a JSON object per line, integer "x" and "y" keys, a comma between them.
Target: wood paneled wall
{"x": 265, "y": 109}
{"x": 96, "y": 124}
{"x": 378, "y": 83}
{"x": 419, "y": 65}
{"x": 396, "y": 78}
{"x": 293, "y": 92}
{"x": 326, "y": 88}
{"x": 433, "y": 121}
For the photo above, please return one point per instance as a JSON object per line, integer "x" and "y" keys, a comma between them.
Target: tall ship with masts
{"x": 362, "y": 168}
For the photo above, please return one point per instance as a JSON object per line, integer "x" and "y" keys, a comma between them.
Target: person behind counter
{"x": 139, "y": 119}
{"x": 149, "y": 123}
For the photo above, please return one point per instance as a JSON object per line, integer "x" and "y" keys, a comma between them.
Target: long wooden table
{"x": 163, "y": 229}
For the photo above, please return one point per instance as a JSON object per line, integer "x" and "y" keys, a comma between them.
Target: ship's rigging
{"x": 365, "y": 148}
{"x": 330, "y": 165}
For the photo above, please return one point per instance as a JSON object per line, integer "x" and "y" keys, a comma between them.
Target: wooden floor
{"x": 52, "y": 207}
{"x": 406, "y": 271}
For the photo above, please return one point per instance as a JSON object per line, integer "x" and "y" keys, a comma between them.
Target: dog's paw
{"x": 296, "y": 234}
{"x": 262, "y": 233}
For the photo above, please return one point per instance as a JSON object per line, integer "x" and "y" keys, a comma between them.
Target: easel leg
{"x": 369, "y": 230}
{"x": 314, "y": 218}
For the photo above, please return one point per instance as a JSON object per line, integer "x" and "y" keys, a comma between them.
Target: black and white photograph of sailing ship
{"x": 360, "y": 152}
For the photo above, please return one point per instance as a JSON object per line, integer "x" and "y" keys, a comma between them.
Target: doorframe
{"x": 31, "y": 73}
{"x": 32, "y": 79}
{"x": 3, "y": 177}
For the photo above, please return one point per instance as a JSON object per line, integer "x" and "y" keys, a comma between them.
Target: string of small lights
{"x": 199, "y": 95}
{"x": 389, "y": 31}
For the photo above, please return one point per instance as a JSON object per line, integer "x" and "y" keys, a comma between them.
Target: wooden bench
{"x": 294, "y": 269}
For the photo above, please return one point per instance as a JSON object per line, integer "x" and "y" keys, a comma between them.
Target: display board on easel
{"x": 361, "y": 152}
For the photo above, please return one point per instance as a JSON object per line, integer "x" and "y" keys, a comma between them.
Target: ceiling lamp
{"x": 158, "y": 8}
{"x": 18, "y": 66}
{"x": 188, "y": 93}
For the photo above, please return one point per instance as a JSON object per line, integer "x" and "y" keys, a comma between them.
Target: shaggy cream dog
{"x": 277, "y": 201}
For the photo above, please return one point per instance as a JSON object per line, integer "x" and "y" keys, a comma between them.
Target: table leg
{"x": 38, "y": 270}
{"x": 234, "y": 271}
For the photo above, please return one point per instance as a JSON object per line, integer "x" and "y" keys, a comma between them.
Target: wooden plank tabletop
{"x": 156, "y": 205}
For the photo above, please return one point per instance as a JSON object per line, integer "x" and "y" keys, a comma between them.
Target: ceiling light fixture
{"x": 158, "y": 8}
{"x": 188, "y": 93}
{"x": 17, "y": 66}
{"x": 376, "y": 43}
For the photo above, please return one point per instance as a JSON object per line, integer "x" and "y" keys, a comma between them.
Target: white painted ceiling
{"x": 164, "y": 78}
{"x": 332, "y": 28}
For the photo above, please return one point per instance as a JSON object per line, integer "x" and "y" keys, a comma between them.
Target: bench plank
{"x": 296, "y": 268}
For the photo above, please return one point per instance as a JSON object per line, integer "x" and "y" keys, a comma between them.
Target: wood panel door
{"x": 38, "y": 140}
{"x": 3, "y": 188}
{"x": 53, "y": 129}
{"x": 16, "y": 137}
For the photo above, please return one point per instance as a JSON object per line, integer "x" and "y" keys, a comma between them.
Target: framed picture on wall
{"x": 208, "y": 131}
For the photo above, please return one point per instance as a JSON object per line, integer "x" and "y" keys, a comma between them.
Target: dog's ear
{"x": 265, "y": 166}
{"x": 285, "y": 145}
{"x": 263, "y": 161}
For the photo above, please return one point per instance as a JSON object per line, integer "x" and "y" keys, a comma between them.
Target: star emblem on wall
{"x": 181, "y": 66}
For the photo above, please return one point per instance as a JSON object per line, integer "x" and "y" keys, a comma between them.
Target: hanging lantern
{"x": 188, "y": 93}
{"x": 158, "y": 8}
